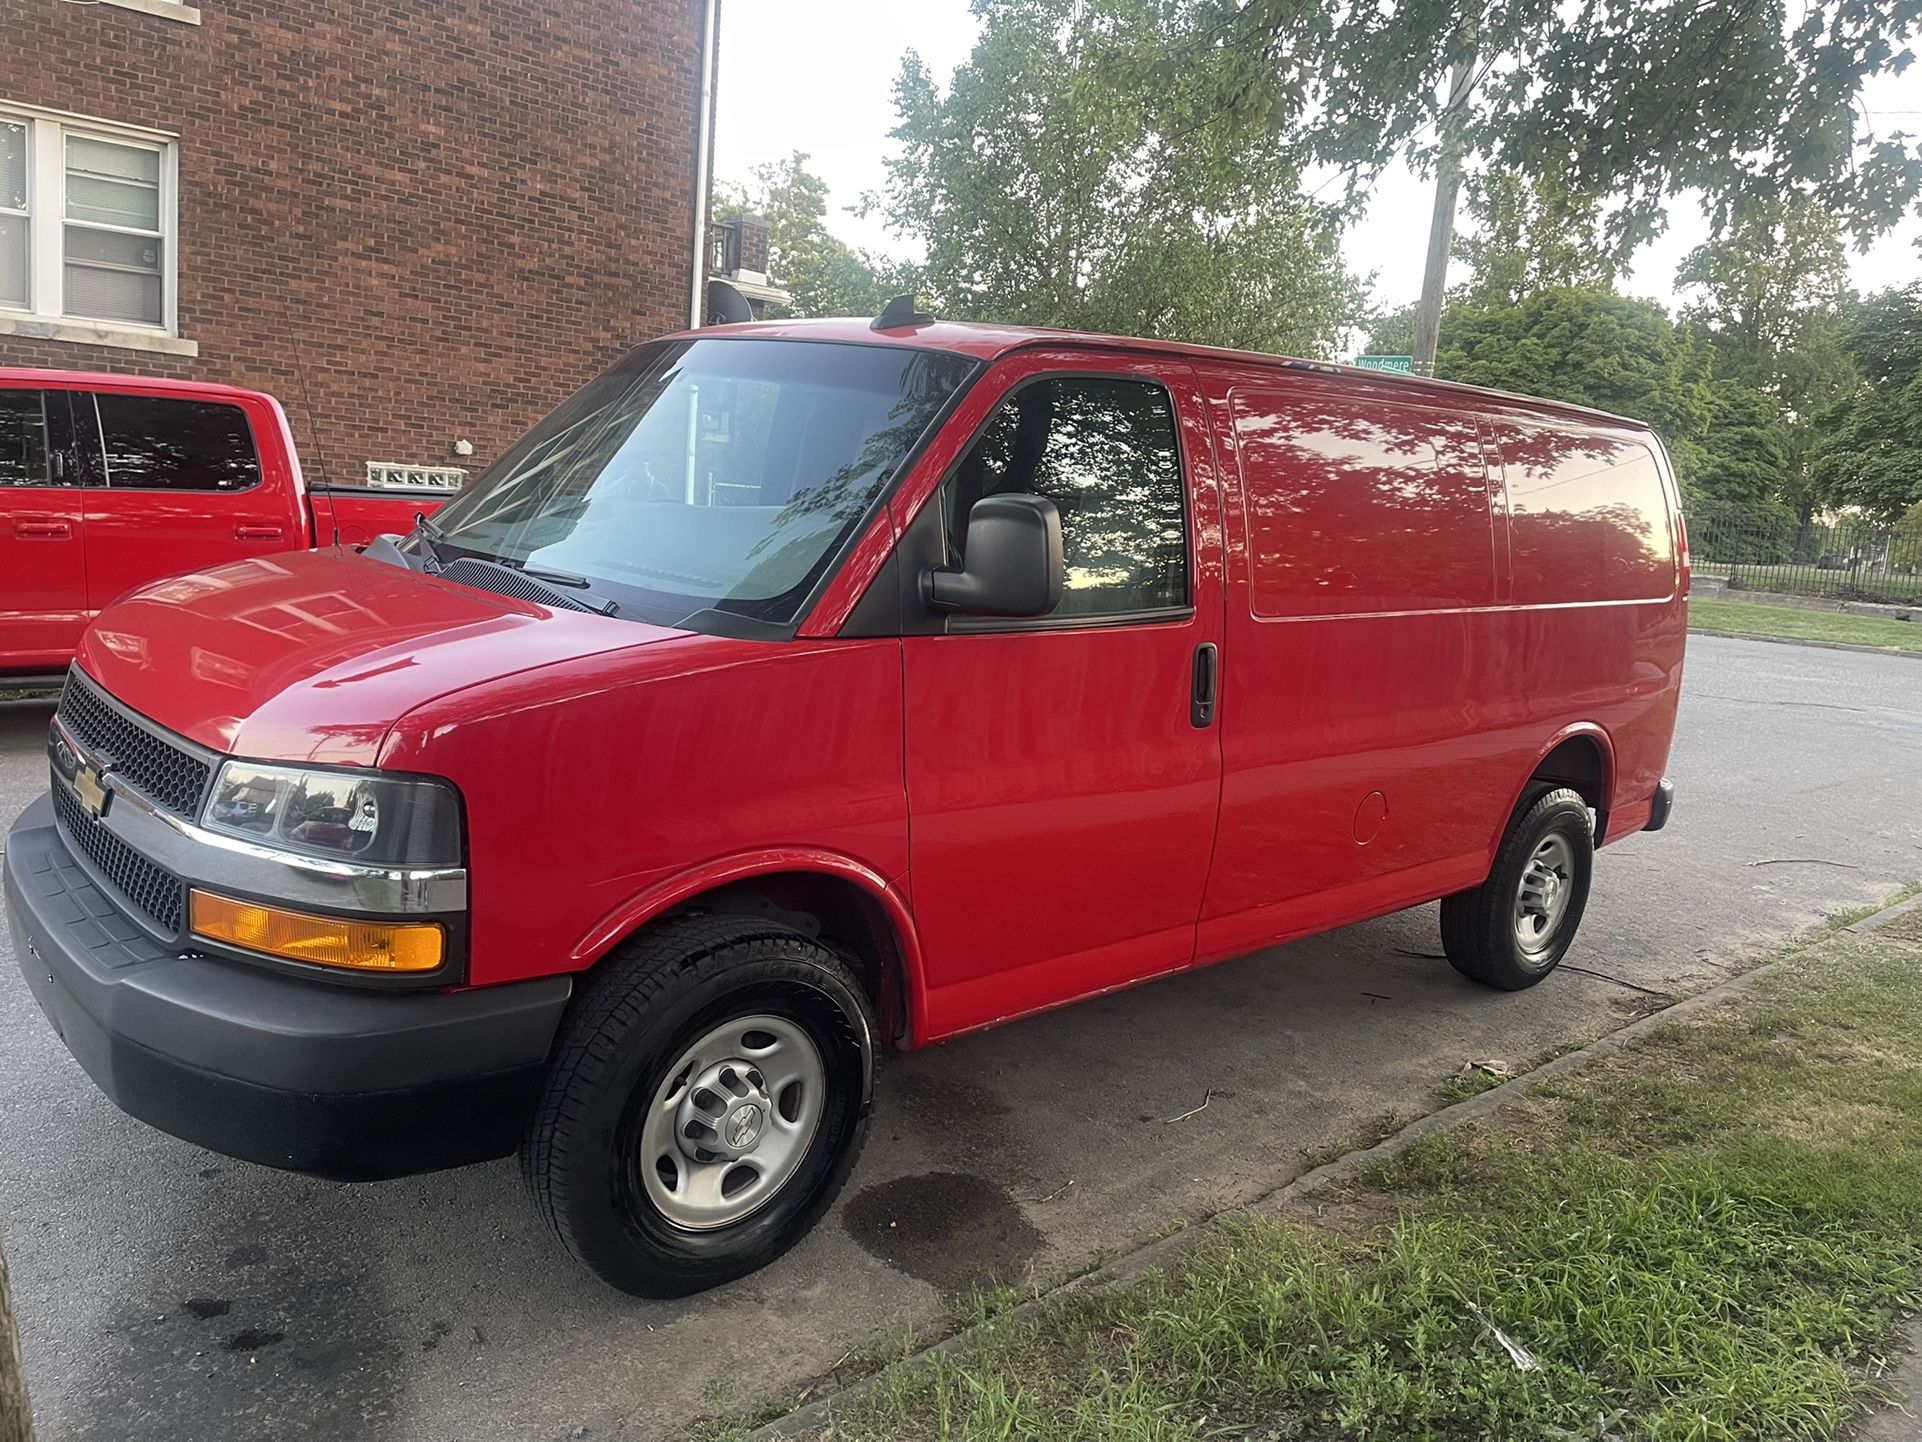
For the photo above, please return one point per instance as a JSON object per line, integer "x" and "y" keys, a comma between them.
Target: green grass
{"x": 1705, "y": 1236}
{"x": 1743, "y": 618}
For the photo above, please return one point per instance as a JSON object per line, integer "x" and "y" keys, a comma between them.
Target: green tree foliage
{"x": 1741, "y": 473}
{"x": 1066, "y": 178}
{"x": 1905, "y": 551}
{"x": 1530, "y": 235}
{"x": 1767, "y": 298}
{"x": 1392, "y": 332}
{"x": 1737, "y": 99}
{"x": 1869, "y": 451}
{"x": 825, "y": 275}
{"x": 1594, "y": 349}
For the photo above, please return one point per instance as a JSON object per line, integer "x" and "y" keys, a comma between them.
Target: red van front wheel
{"x": 1514, "y": 928}
{"x": 707, "y": 1100}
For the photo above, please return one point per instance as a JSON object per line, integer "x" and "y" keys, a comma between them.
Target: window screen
{"x": 14, "y": 289}
{"x": 114, "y": 247}
{"x": 1105, "y": 452}
{"x": 158, "y": 443}
{"x": 23, "y": 439}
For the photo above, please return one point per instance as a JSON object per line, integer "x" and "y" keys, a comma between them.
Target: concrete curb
{"x": 1818, "y": 645}
{"x": 809, "y": 1420}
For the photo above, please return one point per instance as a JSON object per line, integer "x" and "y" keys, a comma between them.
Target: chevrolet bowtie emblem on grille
{"x": 95, "y": 795}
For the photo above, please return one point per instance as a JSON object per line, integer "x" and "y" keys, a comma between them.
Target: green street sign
{"x": 1403, "y": 363}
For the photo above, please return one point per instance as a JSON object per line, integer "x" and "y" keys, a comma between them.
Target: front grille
{"x": 160, "y": 896}
{"x": 174, "y": 778}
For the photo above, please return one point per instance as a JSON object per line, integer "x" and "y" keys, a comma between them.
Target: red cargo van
{"x": 797, "y": 689}
{"x": 108, "y": 482}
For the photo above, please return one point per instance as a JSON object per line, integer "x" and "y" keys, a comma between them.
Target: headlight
{"x": 360, "y": 816}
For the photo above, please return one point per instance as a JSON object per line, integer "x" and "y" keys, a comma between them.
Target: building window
{"x": 398, "y": 476}
{"x": 87, "y": 225}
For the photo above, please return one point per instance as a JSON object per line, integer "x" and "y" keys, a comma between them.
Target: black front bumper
{"x": 353, "y": 1085}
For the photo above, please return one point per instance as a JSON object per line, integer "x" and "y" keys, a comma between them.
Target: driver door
{"x": 1063, "y": 781}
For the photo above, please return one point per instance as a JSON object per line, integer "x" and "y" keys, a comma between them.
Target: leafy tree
{"x": 1064, "y": 178}
{"x": 1905, "y": 551}
{"x": 1869, "y": 450}
{"x": 1594, "y": 349}
{"x": 1738, "y": 99}
{"x": 824, "y": 274}
{"x": 1767, "y": 298}
{"x": 1392, "y": 332}
{"x": 1531, "y": 235}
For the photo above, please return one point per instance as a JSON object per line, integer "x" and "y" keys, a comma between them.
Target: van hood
{"x": 313, "y": 655}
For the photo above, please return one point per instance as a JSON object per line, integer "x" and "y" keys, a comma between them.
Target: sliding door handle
{"x": 1207, "y": 685}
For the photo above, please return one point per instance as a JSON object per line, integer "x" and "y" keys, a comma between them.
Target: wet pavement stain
{"x": 207, "y": 1307}
{"x": 253, "y": 1339}
{"x": 951, "y": 1230}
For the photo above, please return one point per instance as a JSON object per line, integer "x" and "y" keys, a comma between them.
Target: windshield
{"x": 717, "y": 474}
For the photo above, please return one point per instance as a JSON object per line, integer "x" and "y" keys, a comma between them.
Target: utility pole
{"x": 1441, "y": 230}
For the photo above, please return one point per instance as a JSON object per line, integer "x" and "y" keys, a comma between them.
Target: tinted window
{"x": 1355, "y": 510}
{"x": 23, "y": 439}
{"x": 1105, "y": 452}
{"x": 159, "y": 443}
{"x": 1587, "y": 518}
{"x": 707, "y": 474}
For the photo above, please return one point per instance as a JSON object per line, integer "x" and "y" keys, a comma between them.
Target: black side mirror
{"x": 1013, "y": 565}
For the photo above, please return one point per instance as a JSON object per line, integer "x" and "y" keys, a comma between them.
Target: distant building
{"x": 419, "y": 225}
{"x": 739, "y": 260}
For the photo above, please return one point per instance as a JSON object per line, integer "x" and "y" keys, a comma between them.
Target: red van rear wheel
{"x": 1514, "y": 928}
{"x": 708, "y": 1097}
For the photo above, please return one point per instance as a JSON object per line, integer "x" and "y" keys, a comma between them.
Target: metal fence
{"x": 1849, "y": 557}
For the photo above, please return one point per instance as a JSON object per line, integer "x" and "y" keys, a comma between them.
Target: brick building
{"x": 419, "y": 225}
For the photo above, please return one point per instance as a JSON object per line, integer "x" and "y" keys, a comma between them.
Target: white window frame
{"x": 45, "y": 315}
{"x": 166, "y": 9}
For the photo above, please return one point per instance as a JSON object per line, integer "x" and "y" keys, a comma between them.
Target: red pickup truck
{"x": 109, "y": 482}
{"x": 796, "y": 690}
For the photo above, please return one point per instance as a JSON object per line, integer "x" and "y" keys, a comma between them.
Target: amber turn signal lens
{"x": 321, "y": 940}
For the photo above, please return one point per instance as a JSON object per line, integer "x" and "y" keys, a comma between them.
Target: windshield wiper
{"x": 602, "y": 604}
{"x": 558, "y": 578}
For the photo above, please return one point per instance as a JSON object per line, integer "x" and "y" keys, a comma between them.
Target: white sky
{"x": 790, "y": 82}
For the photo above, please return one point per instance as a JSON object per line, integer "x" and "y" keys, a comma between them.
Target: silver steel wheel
{"x": 731, "y": 1123}
{"x": 1541, "y": 901}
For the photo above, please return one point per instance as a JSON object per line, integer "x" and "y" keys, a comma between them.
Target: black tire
{"x": 635, "y": 1014}
{"x": 1479, "y": 927}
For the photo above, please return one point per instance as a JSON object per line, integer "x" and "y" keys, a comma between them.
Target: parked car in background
{"x": 109, "y": 482}
{"x": 797, "y": 690}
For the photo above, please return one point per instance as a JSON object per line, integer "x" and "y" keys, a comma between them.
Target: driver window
{"x": 1104, "y": 450}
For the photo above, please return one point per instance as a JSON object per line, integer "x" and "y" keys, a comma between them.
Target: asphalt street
{"x": 167, "y": 1292}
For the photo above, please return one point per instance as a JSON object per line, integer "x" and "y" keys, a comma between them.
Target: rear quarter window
{"x": 1588, "y": 518}
{"x": 165, "y": 443}
{"x": 1354, "y": 510}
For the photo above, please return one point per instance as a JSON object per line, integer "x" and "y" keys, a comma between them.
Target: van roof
{"x": 990, "y": 342}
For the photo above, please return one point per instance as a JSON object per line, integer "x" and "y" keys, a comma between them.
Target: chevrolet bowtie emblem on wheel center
{"x": 95, "y": 795}
{"x": 743, "y": 1126}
